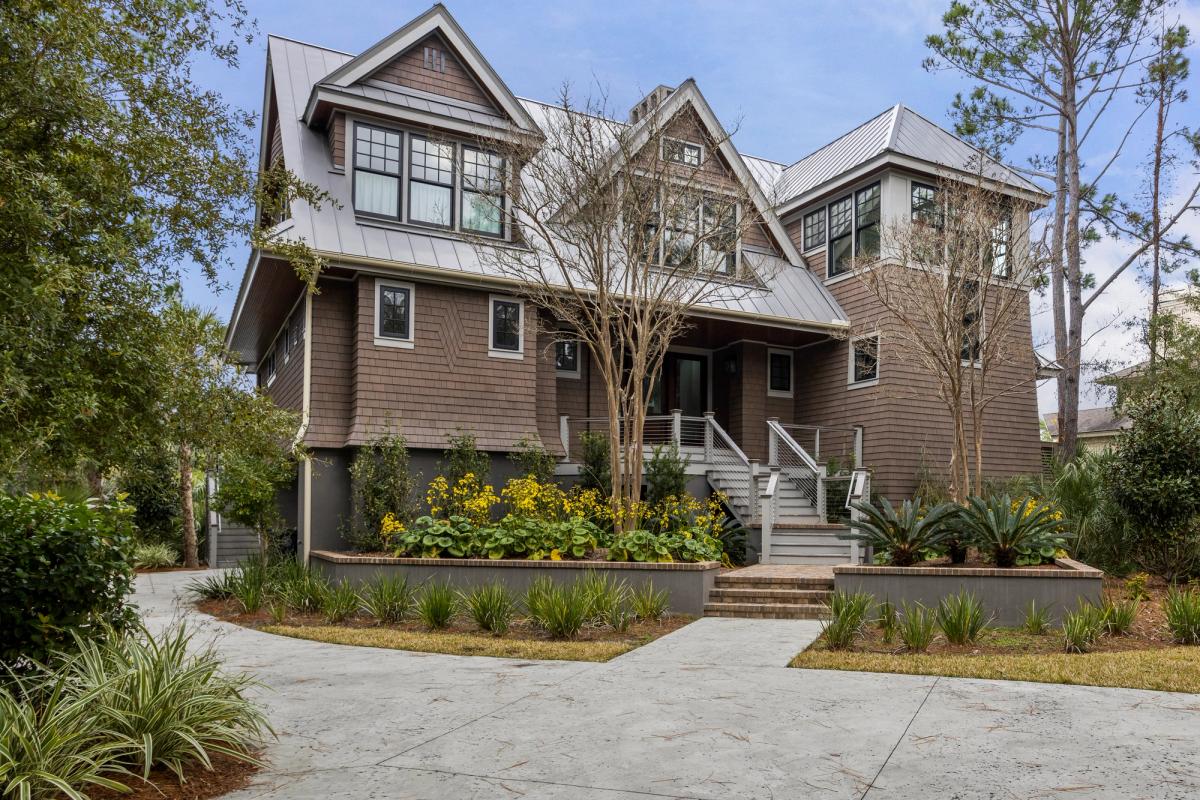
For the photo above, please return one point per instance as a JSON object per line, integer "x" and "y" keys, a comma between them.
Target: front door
{"x": 683, "y": 385}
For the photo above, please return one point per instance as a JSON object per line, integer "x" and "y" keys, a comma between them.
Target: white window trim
{"x": 571, "y": 374}
{"x": 850, "y": 382}
{"x": 662, "y": 151}
{"x": 519, "y": 353}
{"x": 791, "y": 357}
{"x": 409, "y": 342}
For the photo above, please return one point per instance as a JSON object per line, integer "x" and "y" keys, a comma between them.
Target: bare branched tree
{"x": 625, "y": 229}
{"x": 954, "y": 281}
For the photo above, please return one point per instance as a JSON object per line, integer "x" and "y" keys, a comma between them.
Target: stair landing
{"x": 772, "y": 591}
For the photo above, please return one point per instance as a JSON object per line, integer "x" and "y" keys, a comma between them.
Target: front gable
{"x": 433, "y": 66}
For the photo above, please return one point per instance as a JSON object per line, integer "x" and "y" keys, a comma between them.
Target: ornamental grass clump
{"x": 887, "y": 621}
{"x": 1119, "y": 616}
{"x": 561, "y": 611}
{"x": 298, "y": 585}
{"x": 1037, "y": 619}
{"x": 491, "y": 606}
{"x": 1081, "y": 629}
{"x": 154, "y": 555}
{"x": 340, "y": 603}
{"x": 1182, "y": 608}
{"x": 916, "y": 627}
{"x": 389, "y": 598}
{"x": 604, "y": 593}
{"x": 437, "y": 605}
{"x": 961, "y": 618}
{"x": 650, "y": 603}
{"x": 847, "y": 616}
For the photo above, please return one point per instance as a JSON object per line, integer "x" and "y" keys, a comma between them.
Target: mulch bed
{"x": 227, "y": 775}
{"x": 639, "y": 631}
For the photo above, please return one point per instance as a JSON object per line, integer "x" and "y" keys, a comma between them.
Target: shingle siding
{"x": 456, "y": 82}
{"x": 332, "y": 342}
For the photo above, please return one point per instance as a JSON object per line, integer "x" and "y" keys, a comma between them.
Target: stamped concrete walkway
{"x": 707, "y": 712}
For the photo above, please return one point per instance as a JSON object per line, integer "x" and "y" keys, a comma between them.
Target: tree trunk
{"x": 1156, "y": 218}
{"x": 187, "y": 514}
{"x": 1057, "y": 280}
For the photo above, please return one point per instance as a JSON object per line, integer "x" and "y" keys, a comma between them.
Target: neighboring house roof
{"x": 900, "y": 131}
{"x": 1093, "y": 422}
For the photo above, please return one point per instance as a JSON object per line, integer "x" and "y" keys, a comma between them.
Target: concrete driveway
{"x": 707, "y": 712}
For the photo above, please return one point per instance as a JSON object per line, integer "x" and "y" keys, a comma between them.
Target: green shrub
{"x": 644, "y": 545}
{"x": 960, "y": 618}
{"x": 167, "y": 700}
{"x": 433, "y": 538}
{"x": 300, "y": 586}
{"x": 1119, "y": 616}
{"x": 340, "y": 602}
{"x": 650, "y": 603}
{"x": 1037, "y": 619}
{"x": 604, "y": 594}
{"x": 152, "y": 489}
{"x": 595, "y": 464}
{"x": 559, "y": 610}
{"x": 887, "y": 621}
{"x": 533, "y": 460}
{"x": 381, "y": 482}
{"x": 535, "y": 539}
{"x": 916, "y": 627}
{"x": 388, "y": 598}
{"x": 665, "y": 474}
{"x": 154, "y": 556}
{"x": 1082, "y": 628}
{"x": 905, "y": 535}
{"x": 847, "y": 616}
{"x": 218, "y": 586}
{"x": 64, "y": 571}
{"x": 463, "y": 457}
{"x": 437, "y": 605}
{"x": 1135, "y": 586}
{"x": 1183, "y": 615}
{"x": 1008, "y": 530}
{"x": 491, "y": 607}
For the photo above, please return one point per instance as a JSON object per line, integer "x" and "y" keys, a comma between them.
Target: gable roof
{"x": 1093, "y": 422}
{"x": 348, "y": 76}
{"x": 898, "y": 131}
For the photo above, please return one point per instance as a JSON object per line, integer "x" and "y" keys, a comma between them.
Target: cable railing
{"x": 827, "y": 444}
{"x": 796, "y": 465}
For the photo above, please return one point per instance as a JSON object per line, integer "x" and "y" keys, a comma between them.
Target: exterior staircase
{"x": 760, "y": 593}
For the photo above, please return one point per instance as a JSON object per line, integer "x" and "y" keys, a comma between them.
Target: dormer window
{"x": 435, "y": 59}
{"x": 482, "y": 192}
{"x": 376, "y": 171}
{"x": 431, "y": 182}
{"x": 680, "y": 152}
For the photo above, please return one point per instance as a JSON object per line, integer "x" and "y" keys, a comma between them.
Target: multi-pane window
{"x": 506, "y": 325}
{"x": 864, "y": 359}
{"x": 679, "y": 235}
{"x": 681, "y": 152}
{"x": 710, "y": 218}
{"x": 482, "y": 192}
{"x": 814, "y": 229}
{"x": 285, "y": 343}
{"x": 376, "y": 171}
{"x": 719, "y": 222}
{"x": 395, "y": 312}
{"x": 431, "y": 182}
{"x": 866, "y": 222}
{"x": 779, "y": 372}
{"x": 297, "y": 328}
{"x": 926, "y": 206}
{"x": 1001, "y": 234}
{"x": 266, "y": 370}
{"x": 566, "y": 356}
{"x": 841, "y": 242}
{"x": 972, "y": 322}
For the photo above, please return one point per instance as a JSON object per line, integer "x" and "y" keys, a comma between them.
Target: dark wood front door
{"x": 682, "y": 384}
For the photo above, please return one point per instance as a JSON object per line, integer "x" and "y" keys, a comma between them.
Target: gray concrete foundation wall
{"x": 688, "y": 584}
{"x": 1006, "y": 594}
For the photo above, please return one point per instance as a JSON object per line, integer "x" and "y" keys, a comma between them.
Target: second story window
{"x": 864, "y": 359}
{"x": 506, "y": 328}
{"x": 681, "y": 152}
{"x": 376, "y": 171}
{"x": 814, "y": 229}
{"x": 266, "y": 370}
{"x": 482, "y": 192}
{"x": 431, "y": 182}
{"x": 779, "y": 373}
{"x": 1001, "y": 234}
{"x": 866, "y": 222}
{"x": 566, "y": 358}
{"x": 853, "y": 225}
{"x": 972, "y": 323}
{"x": 926, "y": 206}
{"x": 841, "y": 245}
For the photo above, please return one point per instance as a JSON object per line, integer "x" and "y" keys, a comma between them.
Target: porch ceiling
{"x": 714, "y": 334}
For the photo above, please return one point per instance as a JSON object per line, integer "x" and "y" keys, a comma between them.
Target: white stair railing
{"x": 767, "y": 505}
{"x": 797, "y": 466}
{"x": 724, "y": 457}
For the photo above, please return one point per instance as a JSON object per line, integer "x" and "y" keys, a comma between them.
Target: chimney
{"x": 647, "y": 104}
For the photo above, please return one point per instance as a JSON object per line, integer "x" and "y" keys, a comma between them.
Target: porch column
{"x": 708, "y": 437}
{"x": 676, "y": 427}
{"x": 772, "y": 443}
{"x": 858, "y": 447}
{"x": 564, "y": 433}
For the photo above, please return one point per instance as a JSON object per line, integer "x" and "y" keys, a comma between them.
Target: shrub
{"x": 560, "y": 610}
{"x": 436, "y": 605}
{"x": 218, "y": 586}
{"x": 65, "y": 571}
{"x": 960, "y": 618}
{"x": 340, "y": 602}
{"x": 848, "y": 614}
{"x": 604, "y": 594}
{"x": 686, "y": 545}
{"x": 916, "y": 627}
{"x": 531, "y": 498}
{"x": 463, "y": 457}
{"x": 595, "y": 464}
{"x": 665, "y": 474}
{"x": 388, "y": 598}
{"x": 1006, "y": 529}
{"x": 525, "y": 537}
{"x": 1098, "y": 531}
{"x": 381, "y": 483}
{"x": 905, "y": 535}
{"x": 1119, "y": 616}
{"x": 1135, "y": 586}
{"x": 650, "y": 603}
{"x": 1082, "y": 628}
{"x": 491, "y": 607}
{"x": 467, "y": 498}
{"x": 433, "y": 538}
{"x": 1037, "y": 619}
{"x": 887, "y": 621}
{"x": 152, "y": 489}
{"x": 1183, "y": 615}
{"x": 534, "y": 461}
{"x": 298, "y": 585}
{"x": 154, "y": 556}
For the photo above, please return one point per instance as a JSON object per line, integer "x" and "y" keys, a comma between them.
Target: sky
{"x": 788, "y": 76}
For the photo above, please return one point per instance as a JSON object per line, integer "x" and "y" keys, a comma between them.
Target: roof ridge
{"x": 895, "y": 129}
{"x": 837, "y": 139}
{"x": 308, "y": 44}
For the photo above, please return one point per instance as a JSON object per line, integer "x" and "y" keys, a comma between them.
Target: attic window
{"x": 435, "y": 59}
{"x": 680, "y": 152}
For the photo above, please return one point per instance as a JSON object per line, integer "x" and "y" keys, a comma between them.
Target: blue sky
{"x": 790, "y": 76}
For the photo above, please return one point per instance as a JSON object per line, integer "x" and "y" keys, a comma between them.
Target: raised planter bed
{"x": 688, "y": 583}
{"x": 1006, "y": 593}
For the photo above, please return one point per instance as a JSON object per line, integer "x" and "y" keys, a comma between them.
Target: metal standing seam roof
{"x": 792, "y": 293}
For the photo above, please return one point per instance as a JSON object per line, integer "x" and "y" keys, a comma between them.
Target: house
{"x": 1098, "y": 427}
{"x": 410, "y": 329}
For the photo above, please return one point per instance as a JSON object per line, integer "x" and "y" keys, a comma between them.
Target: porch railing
{"x": 796, "y": 465}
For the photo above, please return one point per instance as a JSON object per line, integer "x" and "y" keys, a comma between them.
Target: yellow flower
{"x": 555, "y": 555}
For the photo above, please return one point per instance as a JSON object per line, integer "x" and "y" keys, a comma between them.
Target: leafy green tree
{"x": 150, "y": 490}
{"x": 248, "y": 491}
{"x": 381, "y": 483}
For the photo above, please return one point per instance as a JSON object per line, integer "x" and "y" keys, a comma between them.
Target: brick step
{"x": 764, "y": 595}
{"x": 766, "y": 610}
{"x": 814, "y": 559}
{"x": 735, "y": 581}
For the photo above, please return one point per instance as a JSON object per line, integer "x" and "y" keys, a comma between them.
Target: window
{"x": 679, "y": 236}
{"x": 297, "y": 331}
{"x": 285, "y": 341}
{"x": 864, "y": 360}
{"x": 719, "y": 223}
{"x": 566, "y": 358}
{"x": 482, "y": 192}
{"x": 505, "y": 321}
{"x": 434, "y": 59}
{"x": 681, "y": 152}
{"x": 926, "y": 207}
{"x": 841, "y": 225}
{"x": 779, "y": 373}
{"x": 972, "y": 323}
{"x": 814, "y": 229}
{"x": 431, "y": 182}
{"x": 394, "y": 314}
{"x": 266, "y": 370}
{"x": 866, "y": 222}
{"x": 716, "y": 221}
{"x": 999, "y": 254}
{"x": 376, "y": 171}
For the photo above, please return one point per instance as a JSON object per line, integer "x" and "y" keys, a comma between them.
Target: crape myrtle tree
{"x": 954, "y": 281}
{"x": 625, "y": 231}
{"x": 1054, "y": 72}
